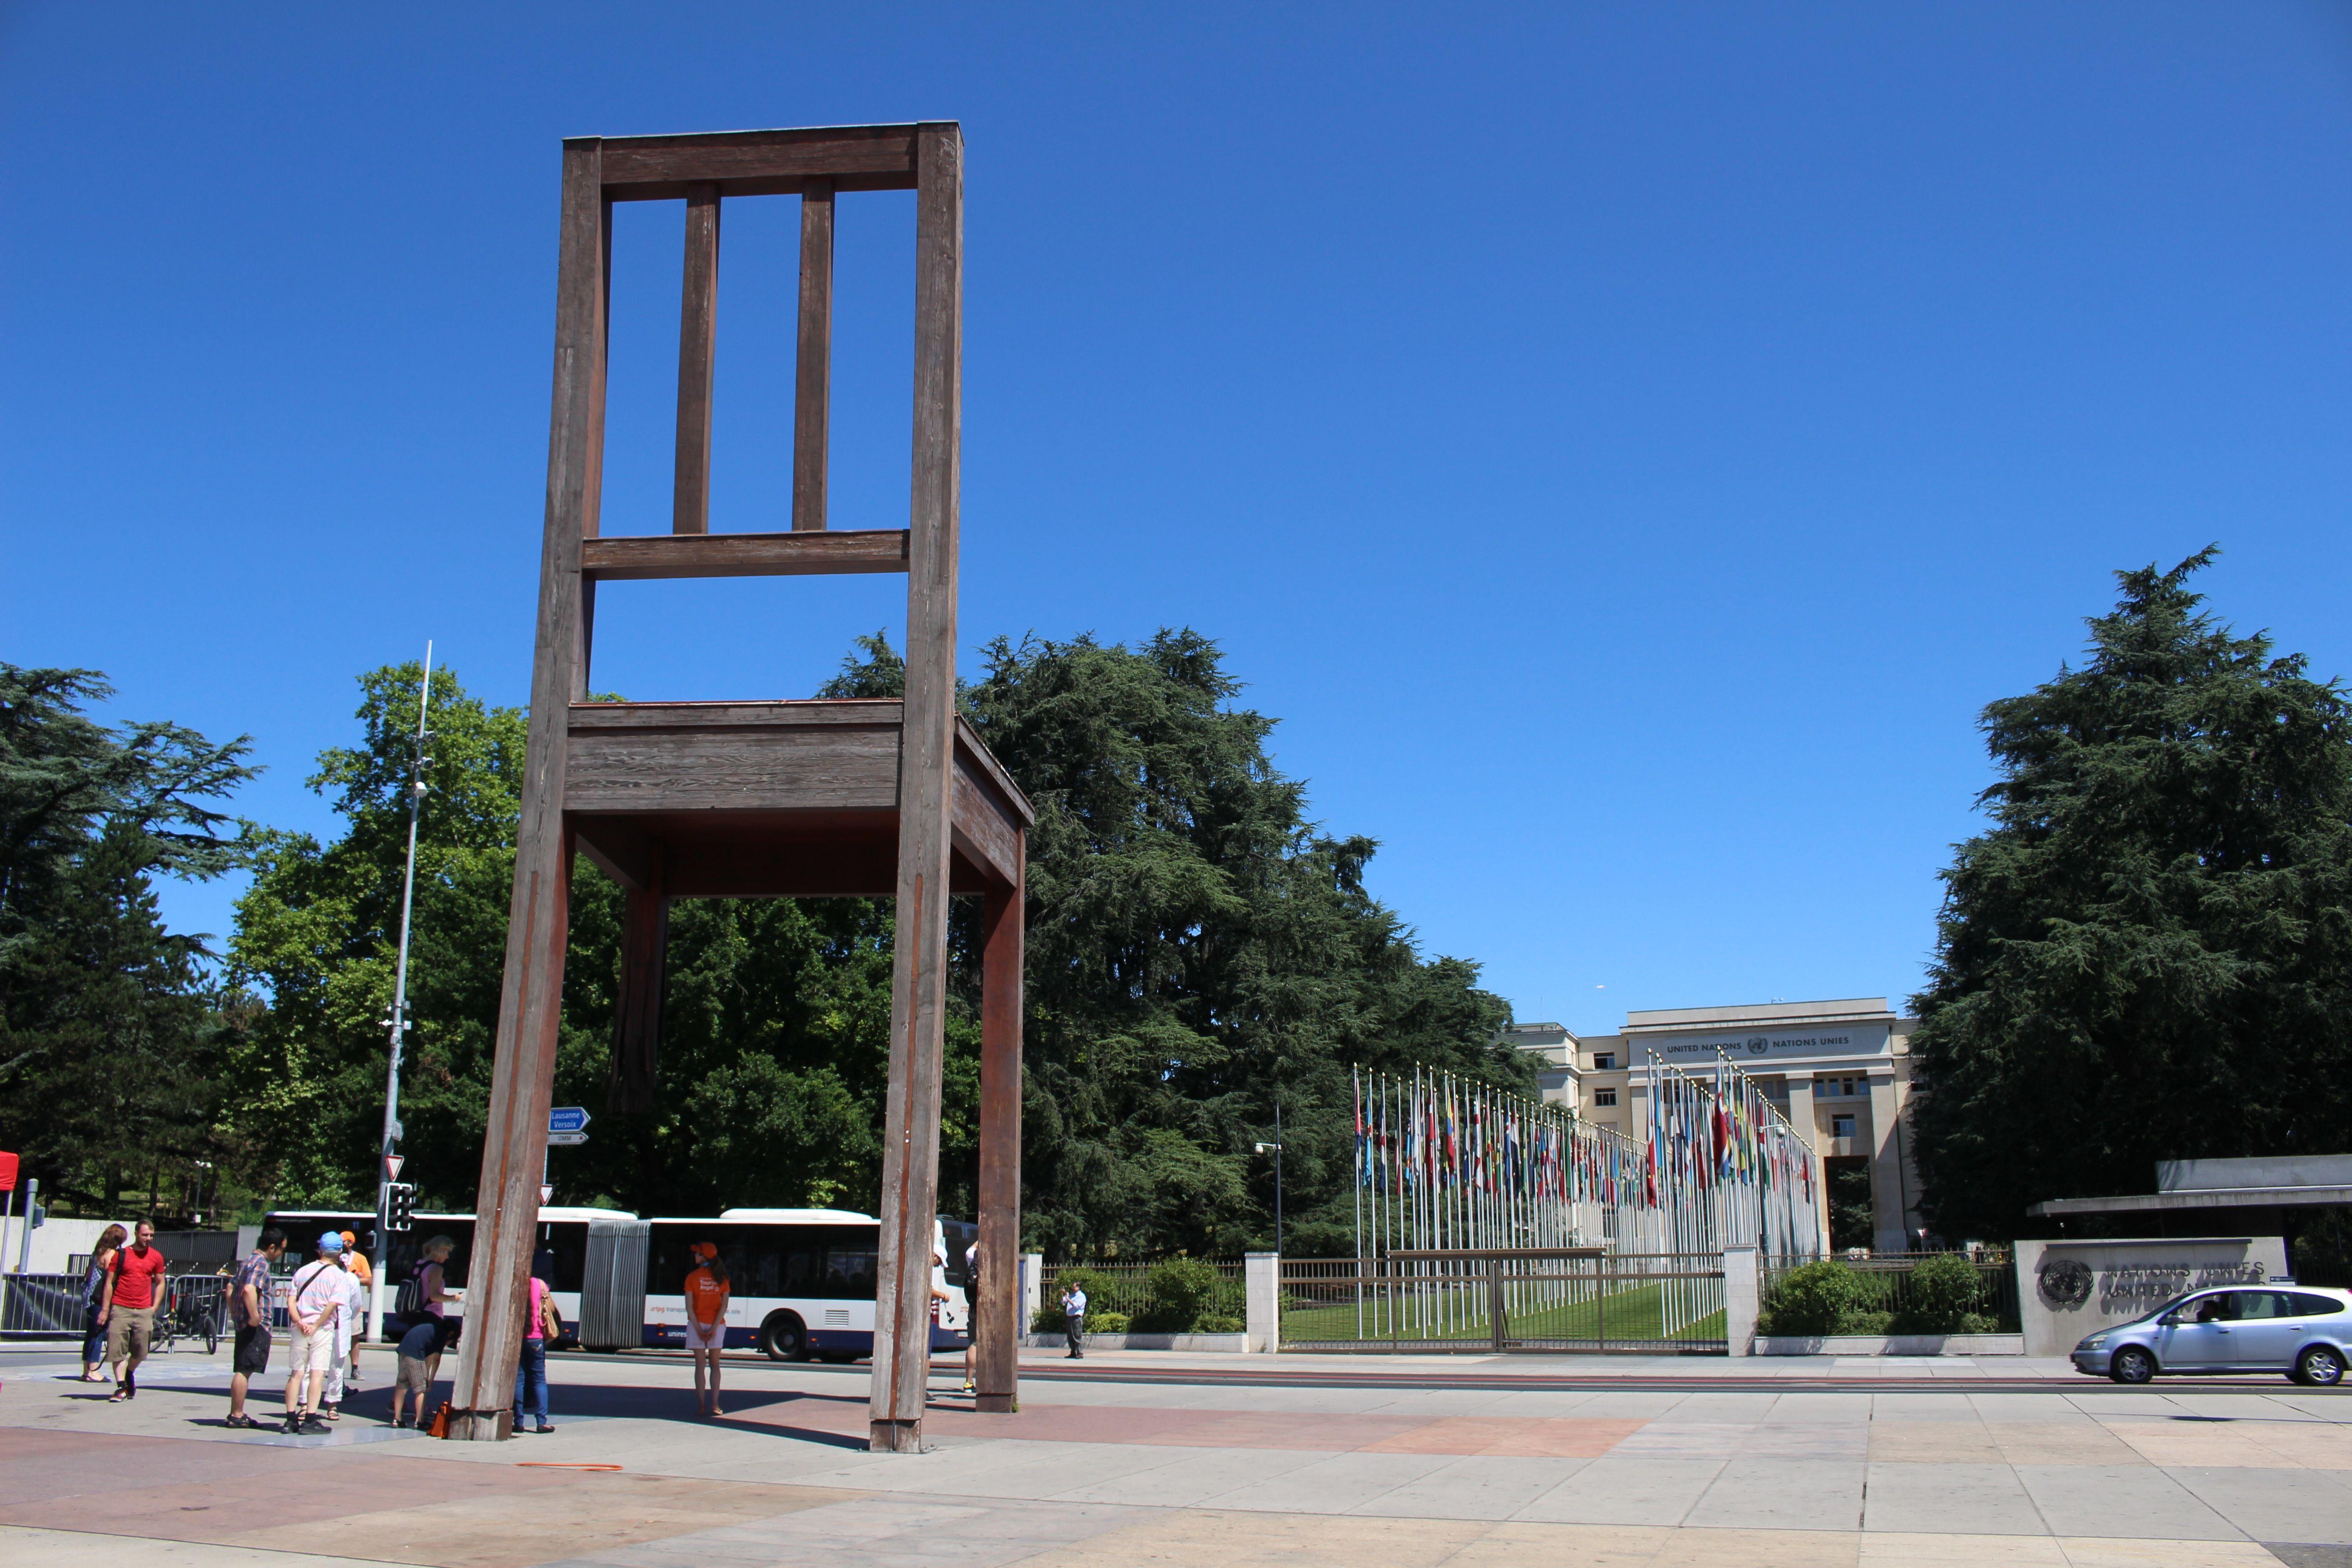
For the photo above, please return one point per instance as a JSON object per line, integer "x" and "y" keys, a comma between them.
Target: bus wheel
{"x": 784, "y": 1337}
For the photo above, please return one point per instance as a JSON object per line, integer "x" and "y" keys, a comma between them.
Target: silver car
{"x": 2303, "y": 1330}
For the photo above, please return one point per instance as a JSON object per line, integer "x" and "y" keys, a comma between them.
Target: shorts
{"x": 313, "y": 1352}
{"x": 128, "y": 1330}
{"x": 412, "y": 1377}
{"x": 699, "y": 1337}
{"x": 252, "y": 1350}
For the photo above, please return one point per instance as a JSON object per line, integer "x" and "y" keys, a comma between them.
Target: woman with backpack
{"x": 93, "y": 1288}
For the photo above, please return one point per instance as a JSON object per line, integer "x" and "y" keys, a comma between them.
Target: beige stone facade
{"x": 1840, "y": 1070}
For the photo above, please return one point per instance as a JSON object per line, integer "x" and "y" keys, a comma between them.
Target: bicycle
{"x": 192, "y": 1309}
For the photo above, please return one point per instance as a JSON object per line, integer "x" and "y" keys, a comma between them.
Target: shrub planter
{"x": 1890, "y": 1344}
{"x": 1235, "y": 1343}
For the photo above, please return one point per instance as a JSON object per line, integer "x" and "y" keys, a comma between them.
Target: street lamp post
{"x": 1275, "y": 1149}
{"x": 396, "y": 1022}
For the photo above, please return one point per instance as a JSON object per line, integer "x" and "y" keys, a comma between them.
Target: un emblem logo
{"x": 2064, "y": 1283}
{"x": 1757, "y": 1044}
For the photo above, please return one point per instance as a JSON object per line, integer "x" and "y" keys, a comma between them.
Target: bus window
{"x": 850, "y": 1264}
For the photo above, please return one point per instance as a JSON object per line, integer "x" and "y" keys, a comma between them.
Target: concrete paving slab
{"x": 2312, "y": 1507}
{"x": 1488, "y": 1487}
{"x": 1783, "y": 1494}
{"x": 1340, "y": 1483}
{"x": 1626, "y": 1490}
{"x": 2121, "y": 1500}
{"x": 1949, "y": 1500}
{"x": 78, "y": 1549}
{"x": 1187, "y": 1476}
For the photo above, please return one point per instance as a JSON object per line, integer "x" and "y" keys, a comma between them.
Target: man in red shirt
{"x": 127, "y": 1309}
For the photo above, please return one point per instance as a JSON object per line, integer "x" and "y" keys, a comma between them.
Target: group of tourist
{"x": 326, "y": 1302}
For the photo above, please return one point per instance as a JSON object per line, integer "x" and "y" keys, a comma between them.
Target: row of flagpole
{"x": 1446, "y": 1164}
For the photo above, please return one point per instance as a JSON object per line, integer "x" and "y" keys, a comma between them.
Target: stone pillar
{"x": 1262, "y": 1294}
{"x": 1033, "y": 1290}
{"x": 1806, "y": 1121}
{"x": 1885, "y": 1168}
{"x": 1743, "y": 1296}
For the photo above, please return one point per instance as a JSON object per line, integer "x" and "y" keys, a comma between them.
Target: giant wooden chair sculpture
{"x": 760, "y": 799}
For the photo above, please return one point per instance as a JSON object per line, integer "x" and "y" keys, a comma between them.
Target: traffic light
{"x": 399, "y": 1201}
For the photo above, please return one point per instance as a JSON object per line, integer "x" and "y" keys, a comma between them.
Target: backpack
{"x": 410, "y": 1301}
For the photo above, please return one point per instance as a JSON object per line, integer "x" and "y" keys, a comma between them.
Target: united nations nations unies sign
{"x": 1747, "y": 1047}
{"x": 2067, "y": 1290}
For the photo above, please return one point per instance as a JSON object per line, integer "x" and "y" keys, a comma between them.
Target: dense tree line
{"x": 111, "y": 1033}
{"x": 1198, "y": 953}
{"x": 2147, "y": 954}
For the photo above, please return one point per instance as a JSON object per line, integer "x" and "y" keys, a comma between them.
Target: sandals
{"x": 242, "y": 1420}
{"x": 118, "y": 1396}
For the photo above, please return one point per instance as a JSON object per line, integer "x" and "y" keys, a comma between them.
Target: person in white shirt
{"x": 348, "y": 1319}
{"x": 314, "y": 1300}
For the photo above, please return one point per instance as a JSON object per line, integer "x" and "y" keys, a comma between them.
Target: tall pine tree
{"x": 2148, "y": 954}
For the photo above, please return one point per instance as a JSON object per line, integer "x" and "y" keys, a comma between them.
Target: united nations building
{"x": 1839, "y": 1071}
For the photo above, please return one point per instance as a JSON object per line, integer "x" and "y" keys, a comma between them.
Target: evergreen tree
{"x": 110, "y": 1028}
{"x": 2145, "y": 956}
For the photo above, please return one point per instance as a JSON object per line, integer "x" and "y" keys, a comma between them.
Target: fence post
{"x": 1032, "y": 1292}
{"x": 1743, "y": 1281}
{"x": 1262, "y": 1298}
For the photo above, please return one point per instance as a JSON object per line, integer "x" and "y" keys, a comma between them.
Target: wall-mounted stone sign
{"x": 2067, "y": 1290}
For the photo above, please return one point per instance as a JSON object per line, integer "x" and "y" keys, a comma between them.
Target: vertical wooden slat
{"x": 522, "y": 1074}
{"x": 813, "y": 380}
{"x": 917, "y": 994}
{"x": 698, "y": 340}
{"x": 996, "y": 1329}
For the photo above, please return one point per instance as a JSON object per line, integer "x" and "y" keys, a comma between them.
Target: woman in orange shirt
{"x": 707, "y": 1291}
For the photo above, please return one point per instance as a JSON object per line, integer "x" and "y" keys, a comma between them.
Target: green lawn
{"x": 1635, "y": 1314}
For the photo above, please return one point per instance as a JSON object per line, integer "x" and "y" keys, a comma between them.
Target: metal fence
{"x": 1886, "y": 1284}
{"x": 48, "y": 1305}
{"x": 1512, "y": 1298}
{"x": 1127, "y": 1289}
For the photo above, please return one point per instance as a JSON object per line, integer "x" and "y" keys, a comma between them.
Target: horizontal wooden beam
{"x": 621, "y": 557}
{"x": 760, "y": 163}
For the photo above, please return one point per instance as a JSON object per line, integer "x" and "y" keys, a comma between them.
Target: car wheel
{"x": 2132, "y": 1365}
{"x": 784, "y": 1337}
{"x": 2321, "y": 1366}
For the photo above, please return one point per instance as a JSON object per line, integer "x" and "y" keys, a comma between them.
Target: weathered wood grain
{"x": 815, "y": 768}
{"x": 917, "y": 994}
{"x": 813, "y": 363}
{"x": 649, "y": 555}
{"x": 985, "y": 830}
{"x": 974, "y": 753}
{"x": 791, "y": 713}
{"x": 741, "y": 163}
{"x": 698, "y": 344}
{"x": 996, "y": 1331}
{"x": 531, "y": 997}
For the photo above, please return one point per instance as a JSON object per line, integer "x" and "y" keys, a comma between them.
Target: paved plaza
{"x": 1220, "y": 1462}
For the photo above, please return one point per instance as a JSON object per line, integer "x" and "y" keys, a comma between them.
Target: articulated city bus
{"x": 802, "y": 1280}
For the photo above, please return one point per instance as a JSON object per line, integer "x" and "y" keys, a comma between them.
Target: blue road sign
{"x": 566, "y": 1118}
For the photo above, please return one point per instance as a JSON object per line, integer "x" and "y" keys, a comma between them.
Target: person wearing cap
{"x": 314, "y": 1300}
{"x": 364, "y": 1272}
{"x": 706, "y": 1293}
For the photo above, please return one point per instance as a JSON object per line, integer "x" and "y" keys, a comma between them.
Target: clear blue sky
{"x": 1625, "y": 445}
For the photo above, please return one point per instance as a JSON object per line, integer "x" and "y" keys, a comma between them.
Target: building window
{"x": 1604, "y": 1061}
{"x": 1841, "y": 1126}
{"x": 1604, "y": 1097}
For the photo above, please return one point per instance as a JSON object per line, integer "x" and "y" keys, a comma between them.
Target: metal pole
{"x": 1278, "y": 1177}
{"x": 24, "y": 1229}
{"x": 397, "y": 1024}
